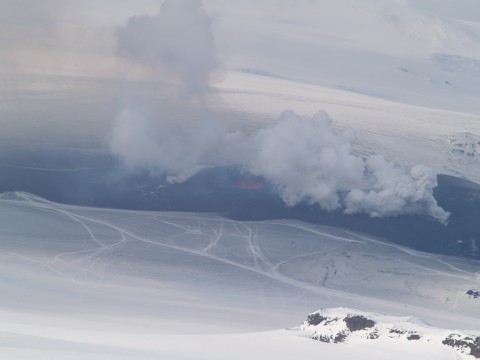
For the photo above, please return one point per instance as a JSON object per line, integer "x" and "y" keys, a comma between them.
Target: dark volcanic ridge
{"x": 237, "y": 194}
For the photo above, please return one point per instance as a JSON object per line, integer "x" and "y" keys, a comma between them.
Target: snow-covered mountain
{"x": 349, "y": 326}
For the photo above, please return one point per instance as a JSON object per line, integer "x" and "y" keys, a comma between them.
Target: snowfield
{"x": 107, "y": 284}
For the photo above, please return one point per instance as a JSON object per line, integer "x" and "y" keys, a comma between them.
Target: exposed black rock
{"x": 474, "y": 294}
{"x": 475, "y": 348}
{"x": 340, "y": 337}
{"x": 414, "y": 337}
{"x": 329, "y": 321}
{"x": 397, "y": 331}
{"x": 458, "y": 342}
{"x": 239, "y": 195}
{"x": 358, "y": 322}
{"x": 322, "y": 338}
{"x": 315, "y": 319}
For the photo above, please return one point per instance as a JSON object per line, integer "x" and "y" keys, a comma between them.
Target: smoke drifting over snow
{"x": 305, "y": 158}
{"x": 396, "y": 191}
{"x": 309, "y": 161}
{"x": 178, "y": 43}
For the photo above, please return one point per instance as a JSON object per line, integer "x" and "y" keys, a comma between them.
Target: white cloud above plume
{"x": 177, "y": 44}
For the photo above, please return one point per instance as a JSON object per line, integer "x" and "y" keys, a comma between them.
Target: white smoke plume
{"x": 177, "y": 149}
{"x": 310, "y": 162}
{"x": 177, "y": 44}
{"x": 396, "y": 191}
{"x": 306, "y": 159}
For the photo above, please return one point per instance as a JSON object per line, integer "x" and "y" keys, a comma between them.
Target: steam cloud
{"x": 176, "y": 44}
{"x": 305, "y": 158}
{"x": 176, "y": 149}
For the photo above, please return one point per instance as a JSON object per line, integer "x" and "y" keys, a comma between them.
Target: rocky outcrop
{"x": 358, "y": 322}
{"x": 342, "y": 325}
{"x": 465, "y": 344}
{"x": 315, "y": 319}
{"x": 473, "y": 294}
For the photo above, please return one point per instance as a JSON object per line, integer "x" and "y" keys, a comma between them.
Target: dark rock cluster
{"x": 342, "y": 326}
{"x": 340, "y": 337}
{"x": 414, "y": 337}
{"x": 474, "y": 294}
{"x": 458, "y": 342}
{"x": 352, "y": 322}
{"x": 315, "y": 319}
{"x": 358, "y": 322}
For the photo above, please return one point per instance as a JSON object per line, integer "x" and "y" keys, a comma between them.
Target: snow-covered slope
{"x": 410, "y": 51}
{"x": 101, "y": 281}
{"x": 408, "y": 135}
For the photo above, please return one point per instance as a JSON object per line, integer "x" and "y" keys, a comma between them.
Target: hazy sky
{"x": 68, "y": 36}
{"x": 63, "y": 36}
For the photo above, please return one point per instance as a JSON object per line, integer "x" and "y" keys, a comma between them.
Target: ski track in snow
{"x": 86, "y": 260}
{"x": 261, "y": 265}
{"x": 42, "y": 169}
{"x": 418, "y": 254}
{"x": 91, "y": 253}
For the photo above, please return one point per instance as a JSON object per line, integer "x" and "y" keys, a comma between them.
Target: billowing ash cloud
{"x": 178, "y": 43}
{"x": 304, "y": 158}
